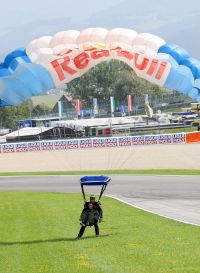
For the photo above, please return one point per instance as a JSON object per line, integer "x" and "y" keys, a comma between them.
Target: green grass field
{"x": 142, "y": 172}
{"x": 38, "y": 230}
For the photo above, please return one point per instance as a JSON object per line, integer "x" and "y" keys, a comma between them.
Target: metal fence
{"x": 165, "y": 102}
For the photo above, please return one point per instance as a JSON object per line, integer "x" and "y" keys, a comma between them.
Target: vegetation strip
{"x": 138, "y": 172}
{"x": 38, "y": 231}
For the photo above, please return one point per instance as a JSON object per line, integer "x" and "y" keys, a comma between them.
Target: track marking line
{"x": 171, "y": 218}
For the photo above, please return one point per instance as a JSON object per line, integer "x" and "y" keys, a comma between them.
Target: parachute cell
{"x": 48, "y": 62}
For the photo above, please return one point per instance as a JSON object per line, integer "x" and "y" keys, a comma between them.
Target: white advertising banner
{"x": 179, "y": 138}
{"x": 124, "y": 141}
{"x": 85, "y": 143}
{"x": 151, "y": 140}
{"x": 21, "y": 147}
{"x": 8, "y": 148}
{"x": 138, "y": 140}
{"x": 46, "y": 145}
{"x": 34, "y": 146}
{"x": 99, "y": 142}
{"x": 111, "y": 142}
{"x": 165, "y": 139}
{"x": 73, "y": 144}
{"x": 60, "y": 145}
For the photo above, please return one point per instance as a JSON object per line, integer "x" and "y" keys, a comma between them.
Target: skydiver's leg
{"x": 96, "y": 226}
{"x": 82, "y": 229}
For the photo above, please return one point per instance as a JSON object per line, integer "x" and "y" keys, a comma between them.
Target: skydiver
{"x": 89, "y": 217}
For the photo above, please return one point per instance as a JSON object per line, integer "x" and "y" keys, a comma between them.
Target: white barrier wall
{"x": 90, "y": 143}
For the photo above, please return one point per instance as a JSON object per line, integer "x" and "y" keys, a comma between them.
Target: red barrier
{"x": 193, "y": 137}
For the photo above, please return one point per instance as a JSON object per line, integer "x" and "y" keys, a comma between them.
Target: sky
{"x": 16, "y": 17}
{"x": 21, "y": 21}
{"x": 15, "y": 13}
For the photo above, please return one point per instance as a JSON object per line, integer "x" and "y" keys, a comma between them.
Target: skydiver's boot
{"x": 82, "y": 229}
{"x": 96, "y": 229}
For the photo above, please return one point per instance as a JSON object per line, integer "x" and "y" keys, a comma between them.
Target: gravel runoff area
{"x": 179, "y": 156}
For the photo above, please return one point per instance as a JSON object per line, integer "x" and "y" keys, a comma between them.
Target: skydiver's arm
{"x": 100, "y": 212}
{"x": 82, "y": 214}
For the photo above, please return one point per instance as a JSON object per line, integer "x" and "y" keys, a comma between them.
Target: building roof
{"x": 49, "y": 100}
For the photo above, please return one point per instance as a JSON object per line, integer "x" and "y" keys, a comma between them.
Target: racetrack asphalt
{"x": 175, "y": 197}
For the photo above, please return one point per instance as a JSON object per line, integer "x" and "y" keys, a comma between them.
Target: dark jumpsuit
{"x": 89, "y": 217}
{"x": 96, "y": 205}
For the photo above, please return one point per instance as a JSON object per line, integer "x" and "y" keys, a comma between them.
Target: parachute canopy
{"x": 50, "y": 61}
{"x": 99, "y": 180}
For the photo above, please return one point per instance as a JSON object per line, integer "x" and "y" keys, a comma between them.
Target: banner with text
{"x": 105, "y": 142}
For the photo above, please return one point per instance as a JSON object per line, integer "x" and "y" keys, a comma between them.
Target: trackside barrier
{"x": 193, "y": 137}
{"x": 106, "y": 142}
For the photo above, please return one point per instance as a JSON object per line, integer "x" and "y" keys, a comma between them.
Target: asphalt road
{"x": 176, "y": 197}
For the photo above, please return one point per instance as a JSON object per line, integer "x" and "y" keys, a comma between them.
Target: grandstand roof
{"x": 27, "y": 131}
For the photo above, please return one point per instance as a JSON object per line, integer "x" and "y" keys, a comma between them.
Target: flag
{"x": 82, "y": 113}
{"x": 112, "y": 104}
{"x": 148, "y": 109}
{"x": 60, "y": 108}
{"x": 146, "y": 98}
{"x": 91, "y": 113}
{"x": 123, "y": 111}
{"x": 95, "y": 106}
{"x": 78, "y": 107}
{"x": 129, "y": 103}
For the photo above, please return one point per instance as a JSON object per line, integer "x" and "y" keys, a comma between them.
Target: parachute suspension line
{"x": 105, "y": 164}
{"x": 80, "y": 160}
{"x": 121, "y": 157}
{"x": 107, "y": 151}
{"x": 124, "y": 154}
{"x": 111, "y": 150}
{"x": 102, "y": 191}
{"x": 83, "y": 192}
{"x": 110, "y": 159}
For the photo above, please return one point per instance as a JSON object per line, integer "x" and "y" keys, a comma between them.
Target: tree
{"x": 112, "y": 78}
{"x": 10, "y": 114}
{"x": 97, "y": 82}
{"x": 40, "y": 110}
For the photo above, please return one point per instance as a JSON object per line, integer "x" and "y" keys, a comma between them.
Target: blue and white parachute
{"x": 48, "y": 62}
